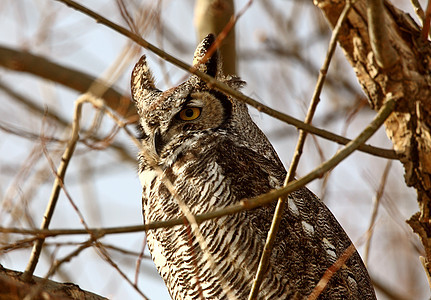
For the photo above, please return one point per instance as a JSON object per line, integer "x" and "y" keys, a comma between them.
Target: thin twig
{"x": 190, "y": 218}
{"x": 33, "y": 106}
{"x": 19, "y": 244}
{"x": 223, "y": 34}
{"x": 245, "y": 204}
{"x": 39, "y": 288}
{"x": 126, "y": 16}
{"x": 24, "y": 172}
{"x": 68, "y": 257}
{"x": 330, "y": 272}
{"x": 27, "y": 243}
{"x": 58, "y": 183}
{"x": 225, "y": 88}
{"x": 275, "y": 225}
{"x": 376, "y": 204}
{"x": 24, "y": 61}
{"x": 36, "y": 108}
{"x": 139, "y": 259}
{"x": 105, "y": 255}
{"x": 61, "y": 184}
{"x": 113, "y": 98}
{"x": 22, "y": 133}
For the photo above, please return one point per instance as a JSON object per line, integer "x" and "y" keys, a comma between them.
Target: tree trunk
{"x": 409, "y": 78}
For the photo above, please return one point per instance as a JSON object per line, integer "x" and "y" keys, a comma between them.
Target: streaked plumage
{"x": 205, "y": 144}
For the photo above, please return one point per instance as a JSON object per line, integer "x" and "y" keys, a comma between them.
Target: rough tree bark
{"x": 409, "y": 78}
{"x": 13, "y": 287}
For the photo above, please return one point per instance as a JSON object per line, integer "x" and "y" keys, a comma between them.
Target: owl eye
{"x": 189, "y": 114}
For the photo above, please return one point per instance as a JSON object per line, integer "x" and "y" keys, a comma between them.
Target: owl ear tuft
{"x": 142, "y": 81}
{"x": 212, "y": 64}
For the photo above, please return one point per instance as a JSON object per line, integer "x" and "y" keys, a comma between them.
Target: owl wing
{"x": 309, "y": 240}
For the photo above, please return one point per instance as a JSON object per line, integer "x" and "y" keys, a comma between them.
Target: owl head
{"x": 188, "y": 110}
{"x": 172, "y": 120}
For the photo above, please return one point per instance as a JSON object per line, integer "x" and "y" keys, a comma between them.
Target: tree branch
{"x": 245, "y": 204}
{"x": 38, "y": 109}
{"x": 278, "y": 214}
{"x": 409, "y": 126}
{"x": 384, "y": 53}
{"x": 225, "y": 88}
{"x": 212, "y": 17}
{"x": 26, "y": 62}
{"x": 12, "y": 287}
{"x": 58, "y": 184}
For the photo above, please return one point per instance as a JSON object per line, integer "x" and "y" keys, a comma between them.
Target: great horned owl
{"x": 201, "y": 147}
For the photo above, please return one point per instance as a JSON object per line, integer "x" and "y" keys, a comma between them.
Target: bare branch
{"x": 330, "y": 272}
{"x": 376, "y": 204}
{"x": 245, "y": 204}
{"x": 12, "y": 286}
{"x": 42, "y": 285}
{"x": 212, "y": 17}
{"x": 278, "y": 214}
{"x": 225, "y": 88}
{"x": 58, "y": 183}
{"x": 105, "y": 255}
{"x": 77, "y": 80}
{"x": 385, "y": 54}
{"x": 120, "y": 148}
{"x": 409, "y": 126}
